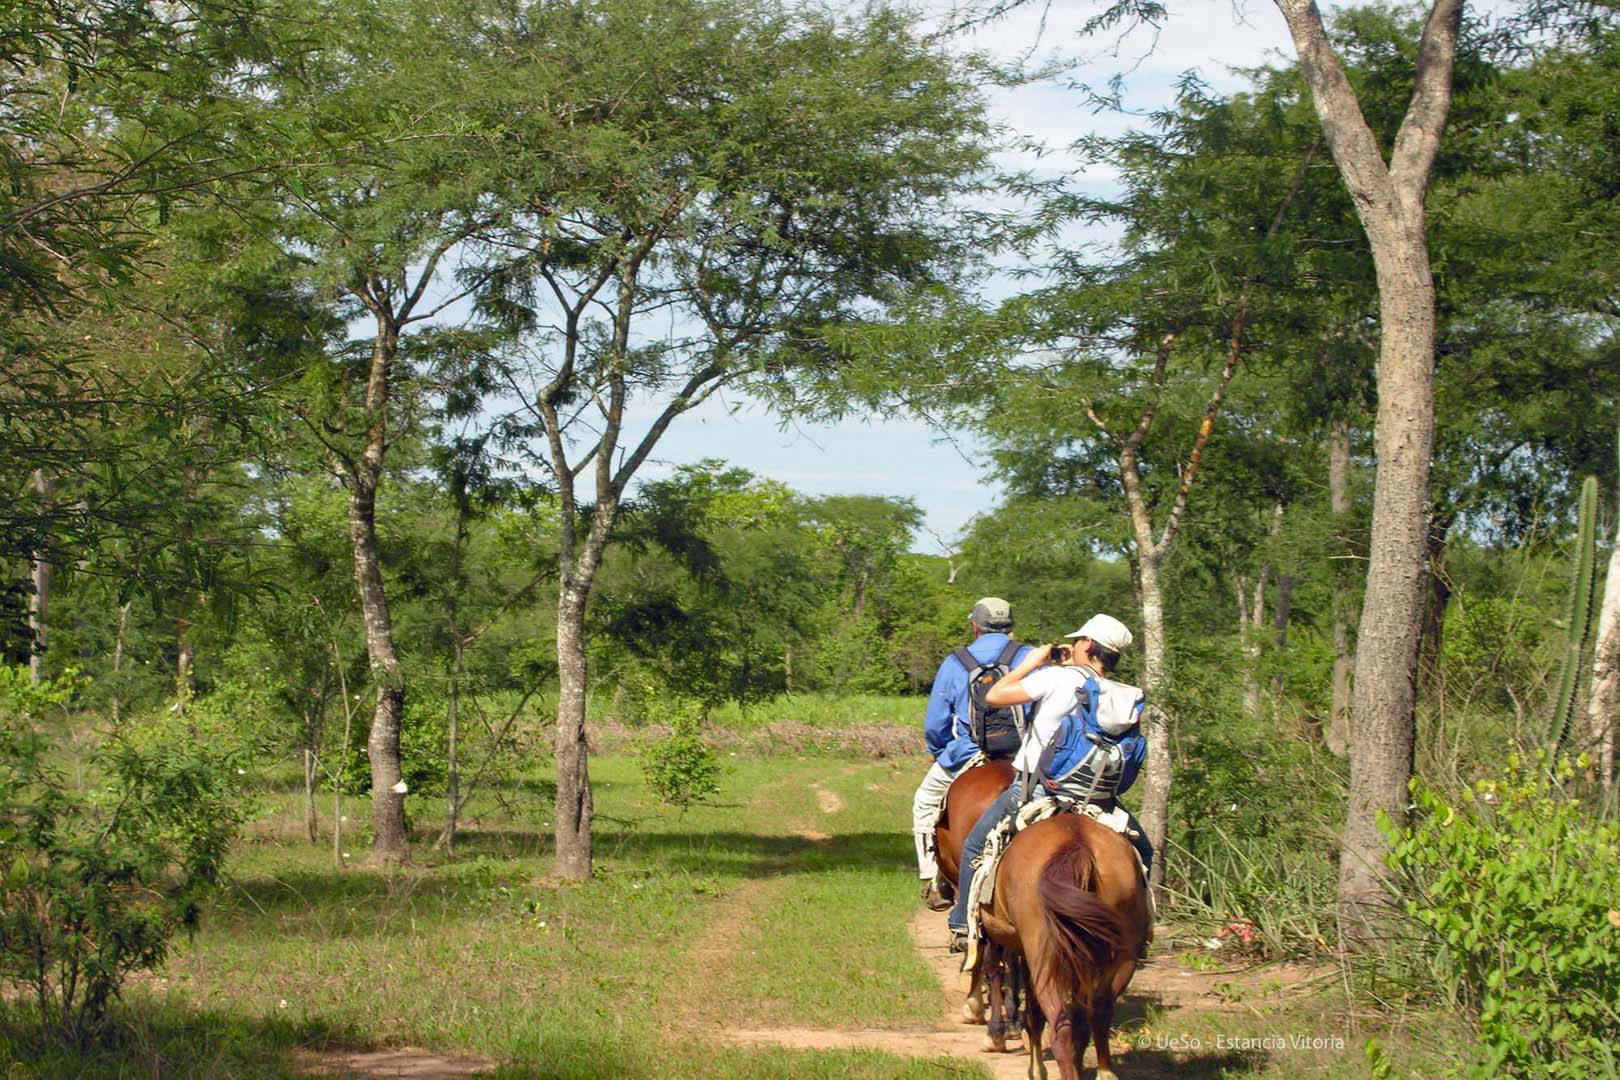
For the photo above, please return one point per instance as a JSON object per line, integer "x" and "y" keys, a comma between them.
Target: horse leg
{"x": 995, "y": 1035}
{"x": 1049, "y": 996}
{"x": 1079, "y": 1037}
{"x": 1010, "y": 995}
{"x": 1102, "y": 1020}
{"x": 973, "y": 1003}
{"x": 1034, "y": 1023}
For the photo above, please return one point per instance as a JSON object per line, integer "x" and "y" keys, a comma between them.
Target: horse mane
{"x": 1084, "y": 932}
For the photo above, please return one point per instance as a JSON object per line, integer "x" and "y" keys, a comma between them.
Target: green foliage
{"x": 1253, "y": 821}
{"x": 95, "y": 883}
{"x": 1516, "y": 884}
{"x": 681, "y": 768}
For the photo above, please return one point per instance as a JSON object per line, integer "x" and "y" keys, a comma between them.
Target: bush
{"x": 94, "y": 884}
{"x": 682, "y": 768}
{"x": 1518, "y": 887}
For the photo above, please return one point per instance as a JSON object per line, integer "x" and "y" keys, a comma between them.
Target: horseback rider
{"x": 946, "y": 728}
{"x": 1085, "y": 744}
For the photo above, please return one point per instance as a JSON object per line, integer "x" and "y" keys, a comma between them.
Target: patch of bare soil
{"x": 1165, "y": 983}
{"x": 403, "y": 1063}
{"x": 830, "y": 801}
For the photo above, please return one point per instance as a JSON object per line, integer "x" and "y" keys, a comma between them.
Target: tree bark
{"x": 311, "y": 823}
{"x": 1605, "y": 695}
{"x": 1157, "y": 775}
{"x": 40, "y": 602}
{"x": 574, "y": 810}
{"x": 1338, "y": 733}
{"x": 389, "y": 842}
{"x": 1389, "y": 202}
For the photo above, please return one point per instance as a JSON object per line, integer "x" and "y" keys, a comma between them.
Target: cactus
{"x": 1580, "y": 616}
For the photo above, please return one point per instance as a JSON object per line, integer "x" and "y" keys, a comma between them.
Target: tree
{"x": 369, "y": 236}
{"x": 1389, "y": 200}
{"x": 764, "y": 175}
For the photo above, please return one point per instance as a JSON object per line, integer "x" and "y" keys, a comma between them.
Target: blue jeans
{"x": 973, "y": 847}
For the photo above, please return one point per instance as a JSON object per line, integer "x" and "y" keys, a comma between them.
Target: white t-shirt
{"x": 1057, "y": 692}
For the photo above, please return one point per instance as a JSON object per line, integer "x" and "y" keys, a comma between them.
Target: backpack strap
{"x": 1007, "y": 654}
{"x": 968, "y": 661}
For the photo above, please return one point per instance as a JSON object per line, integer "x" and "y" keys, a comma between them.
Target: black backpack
{"x": 998, "y": 731}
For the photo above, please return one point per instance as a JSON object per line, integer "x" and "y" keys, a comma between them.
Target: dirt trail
{"x": 1166, "y": 984}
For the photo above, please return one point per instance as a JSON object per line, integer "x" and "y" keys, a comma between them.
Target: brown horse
{"x": 969, "y": 796}
{"x": 1069, "y": 915}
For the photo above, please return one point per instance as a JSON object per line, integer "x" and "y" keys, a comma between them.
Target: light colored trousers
{"x": 925, "y": 808}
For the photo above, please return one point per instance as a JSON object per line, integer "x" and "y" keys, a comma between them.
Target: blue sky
{"x": 942, "y": 471}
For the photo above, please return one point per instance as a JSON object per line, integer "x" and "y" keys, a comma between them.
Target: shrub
{"x": 94, "y": 884}
{"x": 1518, "y": 886}
{"x": 682, "y": 768}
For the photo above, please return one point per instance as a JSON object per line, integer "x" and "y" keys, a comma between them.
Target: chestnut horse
{"x": 968, "y": 797}
{"x": 1070, "y": 914}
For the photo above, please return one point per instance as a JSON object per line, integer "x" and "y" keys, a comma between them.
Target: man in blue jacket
{"x": 945, "y": 725}
{"x": 1085, "y": 743}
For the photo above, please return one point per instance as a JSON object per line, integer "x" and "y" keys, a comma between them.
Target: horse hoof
{"x": 1107, "y": 1074}
{"x": 992, "y": 1045}
{"x": 971, "y": 1013}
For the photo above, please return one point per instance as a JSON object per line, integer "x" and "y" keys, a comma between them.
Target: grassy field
{"x": 479, "y": 953}
{"x": 783, "y": 903}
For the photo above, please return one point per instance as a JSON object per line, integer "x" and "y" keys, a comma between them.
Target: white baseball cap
{"x": 1106, "y": 631}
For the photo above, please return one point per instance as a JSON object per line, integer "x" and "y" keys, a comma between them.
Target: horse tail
{"x": 1085, "y": 933}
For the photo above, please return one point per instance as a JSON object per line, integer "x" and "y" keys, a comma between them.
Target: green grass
{"x": 837, "y": 920}
{"x": 480, "y": 953}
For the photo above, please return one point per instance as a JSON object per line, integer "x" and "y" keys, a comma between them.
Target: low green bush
{"x": 682, "y": 768}
{"x": 95, "y": 881}
{"x": 1517, "y": 884}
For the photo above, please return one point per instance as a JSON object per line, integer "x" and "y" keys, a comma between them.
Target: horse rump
{"x": 1085, "y": 932}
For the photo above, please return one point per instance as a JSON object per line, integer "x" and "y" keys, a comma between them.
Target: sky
{"x": 945, "y": 471}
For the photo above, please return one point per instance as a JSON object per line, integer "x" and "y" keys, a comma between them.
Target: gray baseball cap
{"x": 992, "y": 613}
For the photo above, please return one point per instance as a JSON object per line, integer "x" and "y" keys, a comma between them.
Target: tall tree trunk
{"x": 574, "y": 808}
{"x": 452, "y": 767}
{"x": 1389, "y": 202}
{"x": 40, "y": 602}
{"x": 1605, "y": 697}
{"x": 389, "y": 842}
{"x": 1338, "y": 733}
{"x": 1158, "y": 772}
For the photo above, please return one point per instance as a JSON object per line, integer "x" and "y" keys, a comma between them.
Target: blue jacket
{"x": 1080, "y": 733}
{"x": 945, "y": 725}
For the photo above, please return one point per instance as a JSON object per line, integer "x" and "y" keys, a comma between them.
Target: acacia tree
{"x": 727, "y": 181}
{"x": 367, "y": 237}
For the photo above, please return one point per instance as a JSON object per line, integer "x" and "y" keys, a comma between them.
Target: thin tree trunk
{"x": 1338, "y": 733}
{"x": 574, "y": 808}
{"x": 118, "y": 656}
{"x": 1389, "y": 202}
{"x": 1250, "y": 642}
{"x": 185, "y": 682}
{"x": 40, "y": 602}
{"x": 453, "y": 773}
{"x": 311, "y": 822}
{"x": 1605, "y": 696}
